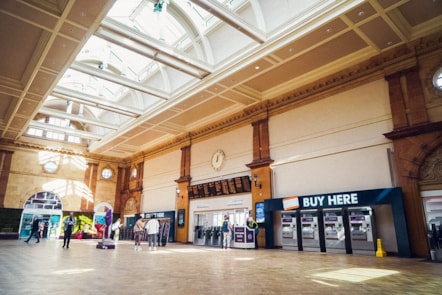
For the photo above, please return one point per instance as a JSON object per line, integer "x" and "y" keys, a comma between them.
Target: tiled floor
{"x": 47, "y": 268}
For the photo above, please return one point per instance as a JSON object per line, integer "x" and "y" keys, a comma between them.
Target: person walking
{"x": 152, "y": 228}
{"x": 138, "y": 233}
{"x": 226, "y": 228}
{"x": 116, "y": 228}
{"x": 251, "y": 224}
{"x": 69, "y": 224}
{"x": 35, "y": 227}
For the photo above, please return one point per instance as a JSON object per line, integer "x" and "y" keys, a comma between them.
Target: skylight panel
{"x": 141, "y": 15}
{"x": 111, "y": 57}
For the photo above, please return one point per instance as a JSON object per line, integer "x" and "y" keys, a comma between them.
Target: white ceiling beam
{"x": 108, "y": 76}
{"x": 77, "y": 118}
{"x": 124, "y": 36}
{"x": 217, "y": 9}
{"x": 64, "y": 130}
{"x": 95, "y": 101}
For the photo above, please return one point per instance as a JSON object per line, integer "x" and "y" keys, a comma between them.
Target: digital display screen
{"x": 331, "y": 218}
{"x": 181, "y": 215}
{"x": 357, "y": 218}
{"x": 259, "y": 211}
{"x": 307, "y": 219}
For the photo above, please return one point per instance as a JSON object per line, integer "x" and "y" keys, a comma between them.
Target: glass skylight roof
{"x": 140, "y": 15}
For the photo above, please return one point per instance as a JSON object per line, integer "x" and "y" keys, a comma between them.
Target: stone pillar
{"x": 5, "y": 168}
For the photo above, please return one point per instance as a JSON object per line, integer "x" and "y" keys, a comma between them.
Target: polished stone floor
{"x": 47, "y": 268}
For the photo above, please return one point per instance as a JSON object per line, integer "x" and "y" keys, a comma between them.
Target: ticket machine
{"x": 289, "y": 230}
{"x": 362, "y": 230}
{"x": 334, "y": 231}
{"x": 310, "y": 230}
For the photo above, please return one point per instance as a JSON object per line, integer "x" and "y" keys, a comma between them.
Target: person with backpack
{"x": 138, "y": 233}
{"x": 226, "y": 229}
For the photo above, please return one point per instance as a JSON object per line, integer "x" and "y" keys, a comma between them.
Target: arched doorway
{"x": 430, "y": 182}
{"x": 49, "y": 209}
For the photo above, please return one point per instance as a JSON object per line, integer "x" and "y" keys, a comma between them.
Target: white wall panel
{"x": 335, "y": 144}
{"x": 159, "y": 193}
{"x": 236, "y": 144}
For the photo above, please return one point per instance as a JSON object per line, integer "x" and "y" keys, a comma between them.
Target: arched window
{"x": 43, "y": 200}
{"x": 437, "y": 79}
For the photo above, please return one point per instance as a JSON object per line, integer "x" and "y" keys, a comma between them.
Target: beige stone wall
{"x": 27, "y": 177}
{"x": 105, "y": 190}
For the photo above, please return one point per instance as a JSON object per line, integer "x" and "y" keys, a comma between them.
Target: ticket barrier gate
{"x": 289, "y": 230}
{"x": 216, "y": 236}
{"x": 199, "y": 236}
{"x": 208, "y": 232}
{"x": 334, "y": 231}
{"x": 362, "y": 230}
{"x": 310, "y": 230}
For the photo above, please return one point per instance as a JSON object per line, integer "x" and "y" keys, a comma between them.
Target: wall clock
{"x": 218, "y": 159}
{"x": 50, "y": 167}
{"x": 107, "y": 173}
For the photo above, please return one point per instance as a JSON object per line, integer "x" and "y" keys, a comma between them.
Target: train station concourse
{"x": 47, "y": 268}
{"x": 270, "y": 146}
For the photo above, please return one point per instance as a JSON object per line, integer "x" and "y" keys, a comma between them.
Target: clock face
{"x": 218, "y": 159}
{"x": 107, "y": 173}
{"x": 50, "y": 167}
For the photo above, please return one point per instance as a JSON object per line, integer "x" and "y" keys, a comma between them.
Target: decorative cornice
{"x": 182, "y": 179}
{"x": 260, "y": 163}
{"x": 414, "y": 130}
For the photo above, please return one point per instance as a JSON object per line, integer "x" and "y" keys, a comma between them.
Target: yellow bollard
{"x": 380, "y": 252}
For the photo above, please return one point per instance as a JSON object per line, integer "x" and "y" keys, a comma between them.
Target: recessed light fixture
{"x": 257, "y": 68}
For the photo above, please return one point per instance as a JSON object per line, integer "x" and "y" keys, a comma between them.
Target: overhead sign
{"x": 348, "y": 199}
{"x": 341, "y": 199}
{"x": 290, "y": 203}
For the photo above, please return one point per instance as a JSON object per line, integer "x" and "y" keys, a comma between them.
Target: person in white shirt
{"x": 116, "y": 229}
{"x": 152, "y": 229}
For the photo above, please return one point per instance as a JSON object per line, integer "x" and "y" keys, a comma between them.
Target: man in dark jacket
{"x": 35, "y": 227}
{"x": 69, "y": 224}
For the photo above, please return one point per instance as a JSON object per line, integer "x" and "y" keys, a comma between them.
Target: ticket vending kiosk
{"x": 289, "y": 230}
{"x": 362, "y": 230}
{"x": 334, "y": 231}
{"x": 310, "y": 230}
